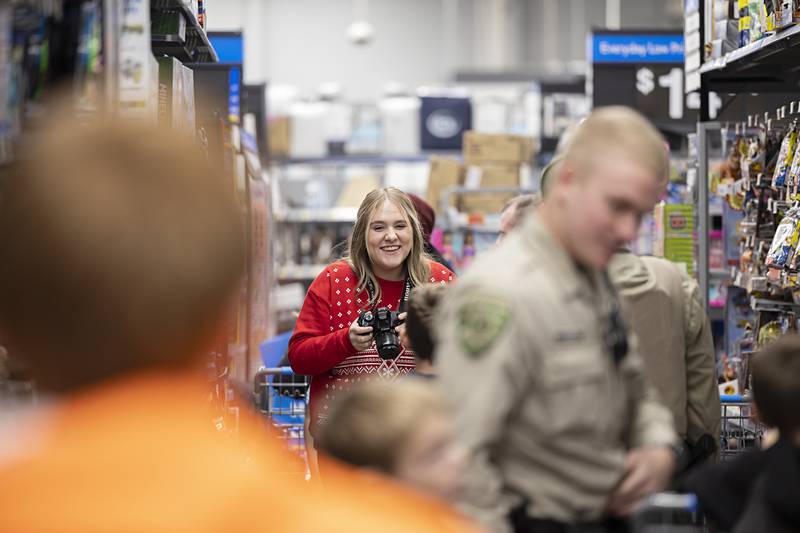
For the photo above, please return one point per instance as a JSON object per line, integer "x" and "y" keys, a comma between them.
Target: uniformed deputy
{"x": 664, "y": 310}
{"x": 550, "y": 394}
{"x": 674, "y": 334}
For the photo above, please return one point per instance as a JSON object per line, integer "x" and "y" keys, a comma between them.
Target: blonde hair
{"x": 613, "y": 130}
{"x": 372, "y": 422}
{"x": 417, "y": 264}
{"x": 121, "y": 251}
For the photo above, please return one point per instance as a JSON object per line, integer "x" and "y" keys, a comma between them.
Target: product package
{"x": 786, "y": 156}
{"x": 793, "y": 176}
{"x": 745, "y": 23}
{"x": 784, "y": 243}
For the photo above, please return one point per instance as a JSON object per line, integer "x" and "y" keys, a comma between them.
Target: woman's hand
{"x": 360, "y": 337}
{"x": 401, "y": 330}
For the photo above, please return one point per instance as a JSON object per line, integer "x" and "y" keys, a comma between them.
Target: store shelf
{"x": 719, "y": 273}
{"x": 763, "y": 304}
{"x": 762, "y": 65}
{"x": 367, "y": 159}
{"x": 299, "y": 272}
{"x": 332, "y": 214}
{"x": 195, "y": 49}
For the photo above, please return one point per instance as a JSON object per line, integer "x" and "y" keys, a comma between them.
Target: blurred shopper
{"x": 760, "y": 490}
{"x": 122, "y": 252}
{"x": 421, "y": 326}
{"x": 400, "y": 429}
{"x": 427, "y": 220}
{"x": 515, "y": 211}
{"x": 550, "y": 397}
{"x": 386, "y": 260}
{"x": 674, "y": 338}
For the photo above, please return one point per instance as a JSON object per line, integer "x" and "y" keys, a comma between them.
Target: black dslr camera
{"x": 383, "y": 322}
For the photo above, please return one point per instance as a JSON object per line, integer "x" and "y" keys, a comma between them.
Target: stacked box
{"x": 493, "y": 161}
{"x": 444, "y": 173}
{"x": 278, "y": 137}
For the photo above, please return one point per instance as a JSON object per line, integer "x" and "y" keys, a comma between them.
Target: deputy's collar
{"x": 574, "y": 280}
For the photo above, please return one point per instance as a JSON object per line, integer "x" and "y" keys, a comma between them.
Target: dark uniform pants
{"x": 524, "y": 524}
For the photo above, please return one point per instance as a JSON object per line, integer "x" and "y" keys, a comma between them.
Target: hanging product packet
{"x": 754, "y": 160}
{"x": 744, "y": 160}
{"x": 784, "y": 243}
{"x": 786, "y": 156}
{"x": 769, "y": 333}
{"x": 793, "y": 176}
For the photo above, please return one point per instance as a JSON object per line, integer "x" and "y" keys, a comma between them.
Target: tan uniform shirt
{"x": 665, "y": 312}
{"x": 540, "y": 403}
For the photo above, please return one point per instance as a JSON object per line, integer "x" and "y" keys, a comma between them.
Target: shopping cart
{"x": 283, "y": 402}
{"x": 668, "y": 512}
{"x": 740, "y": 431}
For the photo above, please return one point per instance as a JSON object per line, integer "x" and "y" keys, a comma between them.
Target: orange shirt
{"x": 141, "y": 455}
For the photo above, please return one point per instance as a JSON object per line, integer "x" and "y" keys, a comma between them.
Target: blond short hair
{"x": 371, "y": 423}
{"x": 121, "y": 250}
{"x": 617, "y": 131}
{"x": 417, "y": 263}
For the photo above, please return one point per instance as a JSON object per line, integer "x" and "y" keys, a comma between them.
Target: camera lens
{"x": 387, "y": 344}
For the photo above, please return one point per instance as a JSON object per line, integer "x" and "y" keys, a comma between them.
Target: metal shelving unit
{"x": 759, "y": 66}
{"x": 331, "y": 214}
{"x": 195, "y": 48}
{"x": 368, "y": 159}
{"x": 299, "y": 272}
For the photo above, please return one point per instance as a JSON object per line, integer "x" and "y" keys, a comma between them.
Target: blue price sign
{"x": 636, "y": 48}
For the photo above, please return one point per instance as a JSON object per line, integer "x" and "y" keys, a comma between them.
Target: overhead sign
{"x": 636, "y": 48}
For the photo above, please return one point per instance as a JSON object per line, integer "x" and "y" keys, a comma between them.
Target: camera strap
{"x": 403, "y": 299}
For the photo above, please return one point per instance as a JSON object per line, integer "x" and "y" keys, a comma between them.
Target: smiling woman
{"x": 386, "y": 258}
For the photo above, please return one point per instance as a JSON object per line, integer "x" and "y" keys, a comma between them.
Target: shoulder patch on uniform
{"x": 481, "y": 320}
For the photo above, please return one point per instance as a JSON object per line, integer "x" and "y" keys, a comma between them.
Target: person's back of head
{"x": 400, "y": 429}
{"x": 515, "y": 211}
{"x": 425, "y": 214}
{"x": 776, "y": 386}
{"x": 420, "y": 321}
{"x": 121, "y": 250}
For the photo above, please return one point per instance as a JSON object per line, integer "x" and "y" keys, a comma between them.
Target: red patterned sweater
{"x": 320, "y": 345}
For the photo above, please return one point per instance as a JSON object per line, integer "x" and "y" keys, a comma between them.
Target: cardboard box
{"x": 444, "y": 173}
{"x": 484, "y": 202}
{"x": 481, "y": 177}
{"x": 481, "y": 148}
{"x": 492, "y": 175}
{"x": 278, "y": 135}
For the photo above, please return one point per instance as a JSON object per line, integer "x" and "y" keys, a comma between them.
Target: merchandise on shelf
{"x": 758, "y": 179}
{"x": 459, "y": 248}
{"x": 734, "y": 24}
{"x": 176, "y": 107}
{"x": 674, "y": 234}
{"x": 445, "y": 173}
{"x": 138, "y": 73}
{"x": 443, "y": 121}
{"x": 400, "y": 125}
{"x": 279, "y": 138}
{"x": 491, "y": 161}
